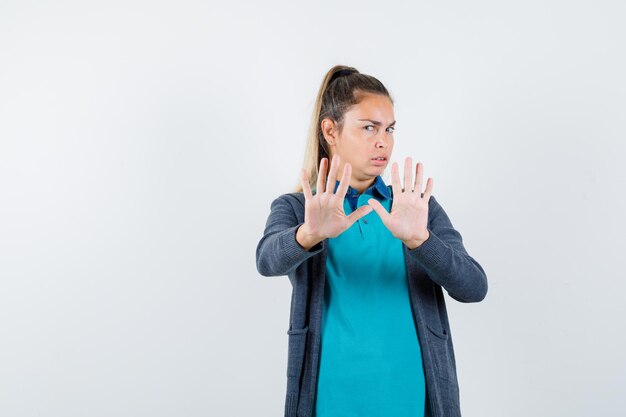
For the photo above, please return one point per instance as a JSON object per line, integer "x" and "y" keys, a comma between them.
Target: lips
{"x": 379, "y": 162}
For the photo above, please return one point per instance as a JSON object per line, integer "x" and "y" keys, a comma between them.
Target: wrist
{"x": 305, "y": 238}
{"x": 417, "y": 242}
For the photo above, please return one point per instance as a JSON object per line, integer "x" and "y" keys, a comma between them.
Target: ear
{"x": 329, "y": 130}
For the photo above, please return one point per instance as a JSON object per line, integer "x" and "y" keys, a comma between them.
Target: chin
{"x": 377, "y": 171}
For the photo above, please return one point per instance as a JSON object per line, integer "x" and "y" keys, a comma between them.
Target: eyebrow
{"x": 377, "y": 123}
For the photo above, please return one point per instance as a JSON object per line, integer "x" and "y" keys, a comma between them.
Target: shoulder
{"x": 432, "y": 202}
{"x": 434, "y": 208}
{"x": 295, "y": 200}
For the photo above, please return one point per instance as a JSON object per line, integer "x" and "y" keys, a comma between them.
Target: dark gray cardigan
{"x": 441, "y": 261}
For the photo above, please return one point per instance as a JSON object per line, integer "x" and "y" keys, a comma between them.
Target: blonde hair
{"x": 341, "y": 89}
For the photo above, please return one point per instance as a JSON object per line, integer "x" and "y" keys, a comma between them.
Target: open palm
{"x": 408, "y": 219}
{"x": 324, "y": 216}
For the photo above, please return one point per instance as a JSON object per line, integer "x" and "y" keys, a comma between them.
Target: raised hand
{"x": 324, "y": 216}
{"x": 408, "y": 218}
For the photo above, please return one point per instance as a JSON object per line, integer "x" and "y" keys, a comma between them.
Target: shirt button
{"x": 365, "y": 221}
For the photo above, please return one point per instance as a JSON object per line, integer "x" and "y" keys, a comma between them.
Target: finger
{"x": 395, "y": 179}
{"x": 306, "y": 188}
{"x": 419, "y": 175}
{"x": 332, "y": 174}
{"x": 345, "y": 180}
{"x": 321, "y": 176}
{"x": 408, "y": 165}
{"x": 379, "y": 209}
{"x": 358, "y": 213}
{"x": 429, "y": 189}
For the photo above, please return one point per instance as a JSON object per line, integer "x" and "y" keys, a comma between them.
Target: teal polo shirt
{"x": 370, "y": 359}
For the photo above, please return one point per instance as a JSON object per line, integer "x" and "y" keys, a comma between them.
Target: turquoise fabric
{"x": 370, "y": 360}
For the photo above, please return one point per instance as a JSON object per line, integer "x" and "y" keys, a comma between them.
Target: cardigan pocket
{"x": 440, "y": 351}
{"x": 296, "y": 349}
{"x": 442, "y": 334}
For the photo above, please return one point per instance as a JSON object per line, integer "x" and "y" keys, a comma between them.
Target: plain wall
{"x": 142, "y": 143}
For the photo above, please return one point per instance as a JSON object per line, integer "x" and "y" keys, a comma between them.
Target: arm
{"x": 446, "y": 261}
{"x": 278, "y": 251}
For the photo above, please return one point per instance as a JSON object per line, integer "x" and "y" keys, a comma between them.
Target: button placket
{"x": 364, "y": 222}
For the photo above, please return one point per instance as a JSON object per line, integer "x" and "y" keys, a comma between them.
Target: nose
{"x": 381, "y": 142}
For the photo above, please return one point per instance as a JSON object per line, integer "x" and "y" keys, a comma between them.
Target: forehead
{"x": 372, "y": 106}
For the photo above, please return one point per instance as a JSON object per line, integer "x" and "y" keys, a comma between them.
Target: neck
{"x": 361, "y": 185}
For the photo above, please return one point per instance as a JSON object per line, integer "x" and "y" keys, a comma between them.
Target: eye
{"x": 366, "y": 127}
{"x": 393, "y": 129}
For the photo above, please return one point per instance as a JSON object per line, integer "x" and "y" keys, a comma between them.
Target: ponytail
{"x": 338, "y": 92}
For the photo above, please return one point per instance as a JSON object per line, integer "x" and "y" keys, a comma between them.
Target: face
{"x": 367, "y": 135}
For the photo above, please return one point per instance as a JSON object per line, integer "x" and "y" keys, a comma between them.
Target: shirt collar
{"x": 379, "y": 185}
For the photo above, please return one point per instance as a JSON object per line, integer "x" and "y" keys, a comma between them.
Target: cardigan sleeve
{"x": 446, "y": 261}
{"x": 278, "y": 252}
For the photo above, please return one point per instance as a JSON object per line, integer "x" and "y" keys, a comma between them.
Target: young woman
{"x": 369, "y": 332}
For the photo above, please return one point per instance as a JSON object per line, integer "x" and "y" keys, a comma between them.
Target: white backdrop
{"x": 142, "y": 142}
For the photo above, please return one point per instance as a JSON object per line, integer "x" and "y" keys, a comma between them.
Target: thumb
{"x": 378, "y": 208}
{"x": 358, "y": 213}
